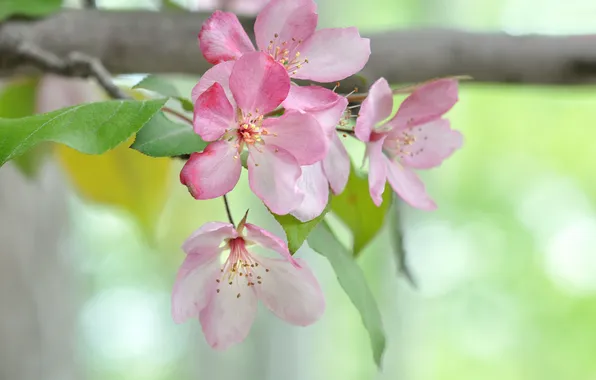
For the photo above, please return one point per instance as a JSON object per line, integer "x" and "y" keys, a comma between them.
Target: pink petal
{"x": 209, "y": 237}
{"x": 219, "y": 73}
{"x": 213, "y": 172}
{"x": 222, "y": 38}
{"x": 227, "y": 318}
{"x": 190, "y": 294}
{"x": 434, "y": 142}
{"x": 214, "y": 115}
{"x": 290, "y": 20}
{"x": 291, "y": 291}
{"x": 377, "y": 173}
{"x": 429, "y": 102}
{"x": 313, "y": 183}
{"x": 333, "y": 54}
{"x": 408, "y": 186}
{"x": 55, "y": 92}
{"x": 259, "y": 84}
{"x": 325, "y": 105}
{"x": 268, "y": 240}
{"x": 337, "y": 165}
{"x": 272, "y": 175}
{"x": 298, "y": 133}
{"x": 374, "y": 109}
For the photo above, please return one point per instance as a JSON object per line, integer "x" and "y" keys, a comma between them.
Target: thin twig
{"x": 74, "y": 65}
{"x": 179, "y": 115}
{"x": 228, "y": 211}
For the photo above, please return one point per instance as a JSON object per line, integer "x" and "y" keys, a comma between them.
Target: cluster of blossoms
{"x": 252, "y": 114}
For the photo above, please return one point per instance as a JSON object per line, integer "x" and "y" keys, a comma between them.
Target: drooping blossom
{"x": 285, "y": 29}
{"x": 417, "y": 137}
{"x": 231, "y": 114}
{"x": 224, "y": 296}
{"x": 328, "y": 108}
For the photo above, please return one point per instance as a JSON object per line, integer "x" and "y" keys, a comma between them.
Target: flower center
{"x": 241, "y": 268}
{"x": 286, "y": 53}
{"x": 402, "y": 145}
{"x": 250, "y": 128}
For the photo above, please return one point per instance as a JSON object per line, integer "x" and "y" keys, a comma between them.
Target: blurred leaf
{"x": 297, "y": 231}
{"x": 92, "y": 128}
{"x": 351, "y": 278}
{"x": 172, "y": 6}
{"x": 161, "y": 137}
{"x": 163, "y": 87}
{"x": 397, "y": 241}
{"x": 31, "y": 8}
{"x": 17, "y": 99}
{"x": 356, "y": 209}
{"x": 121, "y": 177}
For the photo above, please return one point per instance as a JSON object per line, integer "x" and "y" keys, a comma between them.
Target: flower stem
{"x": 228, "y": 211}
{"x": 179, "y": 115}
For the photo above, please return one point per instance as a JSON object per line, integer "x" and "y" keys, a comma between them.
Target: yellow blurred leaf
{"x": 121, "y": 177}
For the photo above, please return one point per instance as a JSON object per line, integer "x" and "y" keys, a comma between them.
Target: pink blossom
{"x": 224, "y": 296}
{"x": 417, "y": 137}
{"x": 285, "y": 29}
{"x": 233, "y": 117}
{"x": 328, "y": 108}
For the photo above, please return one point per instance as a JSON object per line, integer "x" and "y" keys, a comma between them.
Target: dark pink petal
{"x": 313, "y": 183}
{"x": 374, "y": 109}
{"x": 408, "y": 186}
{"x": 222, "y": 38}
{"x": 377, "y": 172}
{"x": 190, "y": 293}
{"x": 337, "y": 165}
{"x": 298, "y": 133}
{"x": 291, "y": 292}
{"x": 268, "y": 240}
{"x": 209, "y": 237}
{"x": 434, "y": 142}
{"x": 214, "y": 115}
{"x": 258, "y": 83}
{"x": 213, "y": 172}
{"x": 325, "y": 105}
{"x": 229, "y": 313}
{"x": 272, "y": 175}
{"x": 290, "y": 20}
{"x": 429, "y": 102}
{"x": 333, "y": 54}
{"x": 219, "y": 73}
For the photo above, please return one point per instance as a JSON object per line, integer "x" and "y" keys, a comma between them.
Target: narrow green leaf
{"x": 356, "y": 209}
{"x": 297, "y": 231}
{"x": 161, "y": 137}
{"x": 91, "y": 128}
{"x": 31, "y": 8}
{"x": 397, "y": 241}
{"x": 351, "y": 278}
{"x": 162, "y": 86}
{"x": 172, "y": 6}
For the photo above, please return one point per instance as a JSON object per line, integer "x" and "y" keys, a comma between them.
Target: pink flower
{"x": 231, "y": 113}
{"x": 328, "y": 108}
{"x": 224, "y": 296}
{"x": 285, "y": 29}
{"x": 415, "y": 138}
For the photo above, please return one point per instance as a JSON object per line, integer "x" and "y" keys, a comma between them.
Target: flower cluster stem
{"x": 228, "y": 211}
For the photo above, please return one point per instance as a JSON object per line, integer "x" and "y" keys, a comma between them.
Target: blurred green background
{"x": 506, "y": 267}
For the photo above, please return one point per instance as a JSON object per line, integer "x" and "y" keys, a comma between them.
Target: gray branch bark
{"x": 151, "y": 42}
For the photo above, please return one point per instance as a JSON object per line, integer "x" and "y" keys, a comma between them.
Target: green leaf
{"x": 91, "y": 128}
{"x": 161, "y": 137}
{"x": 17, "y": 99}
{"x": 351, "y": 278}
{"x": 356, "y": 209}
{"x": 297, "y": 231}
{"x": 397, "y": 241}
{"x": 162, "y": 86}
{"x": 172, "y": 6}
{"x": 30, "y": 8}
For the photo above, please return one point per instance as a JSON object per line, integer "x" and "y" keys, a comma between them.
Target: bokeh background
{"x": 506, "y": 268}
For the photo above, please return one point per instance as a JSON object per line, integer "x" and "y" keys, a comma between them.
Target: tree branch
{"x": 166, "y": 42}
